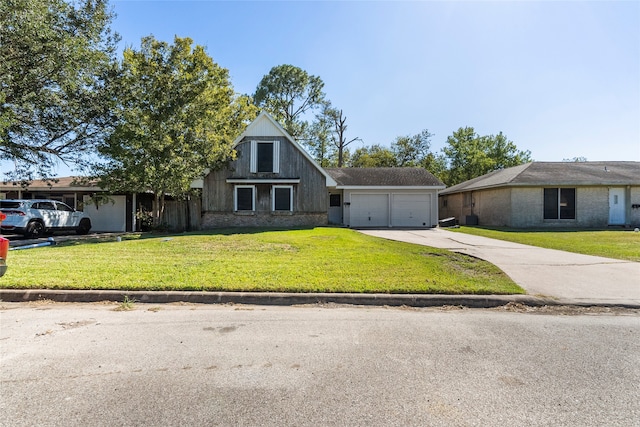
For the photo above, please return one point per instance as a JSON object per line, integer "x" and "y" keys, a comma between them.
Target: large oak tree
{"x": 56, "y": 58}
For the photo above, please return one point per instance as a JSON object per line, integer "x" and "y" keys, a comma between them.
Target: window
{"x": 265, "y": 157}
{"x": 334, "y": 200}
{"x": 560, "y": 203}
{"x": 245, "y": 197}
{"x": 62, "y": 207}
{"x": 282, "y": 198}
{"x": 47, "y": 206}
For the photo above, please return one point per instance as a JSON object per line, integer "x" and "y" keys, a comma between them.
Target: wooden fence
{"x": 183, "y": 215}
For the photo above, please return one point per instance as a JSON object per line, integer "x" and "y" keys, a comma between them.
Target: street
{"x": 317, "y": 365}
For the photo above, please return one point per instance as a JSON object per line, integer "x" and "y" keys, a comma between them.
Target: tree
{"x": 176, "y": 117}
{"x": 579, "y": 159}
{"x": 410, "y": 151}
{"x": 287, "y": 93}
{"x": 469, "y": 155}
{"x": 327, "y": 137}
{"x": 56, "y": 58}
{"x": 375, "y": 156}
{"x": 319, "y": 139}
{"x": 339, "y": 122}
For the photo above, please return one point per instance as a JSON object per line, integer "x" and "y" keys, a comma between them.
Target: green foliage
{"x": 310, "y": 260}
{"x": 287, "y": 93}
{"x": 470, "y": 155}
{"x": 410, "y": 151}
{"x": 127, "y": 304}
{"x": 375, "y": 156}
{"x": 176, "y": 117}
{"x": 55, "y": 60}
{"x": 405, "y": 151}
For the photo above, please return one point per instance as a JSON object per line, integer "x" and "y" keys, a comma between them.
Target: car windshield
{"x": 9, "y": 205}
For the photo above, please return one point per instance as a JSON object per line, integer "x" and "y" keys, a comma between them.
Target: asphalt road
{"x": 177, "y": 365}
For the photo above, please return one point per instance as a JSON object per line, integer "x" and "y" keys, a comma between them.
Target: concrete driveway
{"x": 542, "y": 272}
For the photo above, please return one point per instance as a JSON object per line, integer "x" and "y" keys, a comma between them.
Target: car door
{"x": 47, "y": 212}
{"x": 66, "y": 216}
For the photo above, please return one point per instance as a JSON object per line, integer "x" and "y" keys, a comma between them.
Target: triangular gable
{"x": 265, "y": 125}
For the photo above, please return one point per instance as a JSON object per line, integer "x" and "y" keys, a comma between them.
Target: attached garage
{"x": 411, "y": 210}
{"x": 369, "y": 210}
{"x": 387, "y": 197}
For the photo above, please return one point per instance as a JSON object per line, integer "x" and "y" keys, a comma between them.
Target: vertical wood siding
{"x": 310, "y": 195}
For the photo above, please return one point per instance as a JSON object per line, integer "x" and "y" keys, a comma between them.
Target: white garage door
{"x": 369, "y": 210}
{"x": 411, "y": 210}
{"x": 110, "y": 217}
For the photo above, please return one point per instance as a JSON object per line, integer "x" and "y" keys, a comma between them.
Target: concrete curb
{"x": 287, "y": 299}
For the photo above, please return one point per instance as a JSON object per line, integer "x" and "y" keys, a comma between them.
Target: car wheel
{"x": 83, "y": 227}
{"x": 35, "y": 229}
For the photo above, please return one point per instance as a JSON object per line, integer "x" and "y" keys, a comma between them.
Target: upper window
{"x": 282, "y": 198}
{"x": 559, "y": 203}
{"x": 245, "y": 198}
{"x": 265, "y": 156}
{"x": 334, "y": 200}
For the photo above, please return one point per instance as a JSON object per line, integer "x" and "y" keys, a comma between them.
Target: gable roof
{"x": 384, "y": 177}
{"x": 555, "y": 173}
{"x": 265, "y": 125}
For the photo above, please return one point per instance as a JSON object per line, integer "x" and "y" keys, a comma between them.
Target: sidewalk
{"x": 546, "y": 273}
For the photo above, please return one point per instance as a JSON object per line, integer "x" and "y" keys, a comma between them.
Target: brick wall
{"x": 262, "y": 219}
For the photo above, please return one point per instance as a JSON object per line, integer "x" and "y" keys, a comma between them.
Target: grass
{"x": 308, "y": 260}
{"x": 617, "y": 244}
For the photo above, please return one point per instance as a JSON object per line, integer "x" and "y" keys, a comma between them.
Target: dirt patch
{"x": 567, "y": 310}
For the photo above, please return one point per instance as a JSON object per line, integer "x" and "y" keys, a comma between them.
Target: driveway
{"x": 543, "y": 272}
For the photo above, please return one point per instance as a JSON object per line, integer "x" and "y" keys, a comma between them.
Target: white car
{"x": 36, "y": 217}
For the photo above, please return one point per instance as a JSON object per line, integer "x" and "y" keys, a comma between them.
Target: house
{"x": 108, "y": 212}
{"x": 548, "y": 194}
{"x": 275, "y": 182}
{"x": 112, "y": 215}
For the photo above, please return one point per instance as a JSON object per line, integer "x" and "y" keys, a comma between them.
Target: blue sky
{"x": 561, "y": 79}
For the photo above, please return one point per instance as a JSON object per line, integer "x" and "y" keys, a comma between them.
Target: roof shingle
{"x": 384, "y": 177}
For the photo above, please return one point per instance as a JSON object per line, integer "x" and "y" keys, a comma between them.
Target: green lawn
{"x": 309, "y": 260}
{"x": 617, "y": 244}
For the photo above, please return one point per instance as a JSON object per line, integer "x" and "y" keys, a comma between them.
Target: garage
{"x": 411, "y": 210}
{"x": 369, "y": 210}
{"x": 385, "y": 197}
{"x": 109, "y": 217}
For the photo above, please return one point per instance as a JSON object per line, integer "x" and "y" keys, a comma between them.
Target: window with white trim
{"x": 282, "y": 198}
{"x": 244, "y": 198}
{"x": 265, "y": 156}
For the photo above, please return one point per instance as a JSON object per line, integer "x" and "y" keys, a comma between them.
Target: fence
{"x": 183, "y": 215}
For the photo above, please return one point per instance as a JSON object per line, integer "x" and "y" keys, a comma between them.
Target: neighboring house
{"x": 112, "y": 212}
{"x": 548, "y": 194}
{"x": 113, "y": 215}
{"x": 274, "y": 182}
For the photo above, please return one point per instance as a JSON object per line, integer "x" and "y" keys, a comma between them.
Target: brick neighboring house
{"x": 548, "y": 195}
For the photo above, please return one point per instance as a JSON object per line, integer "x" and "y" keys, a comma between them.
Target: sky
{"x": 559, "y": 78}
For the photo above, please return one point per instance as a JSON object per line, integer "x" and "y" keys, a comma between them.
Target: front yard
{"x": 309, "y": 260}
{"x": 616, "y": 244}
